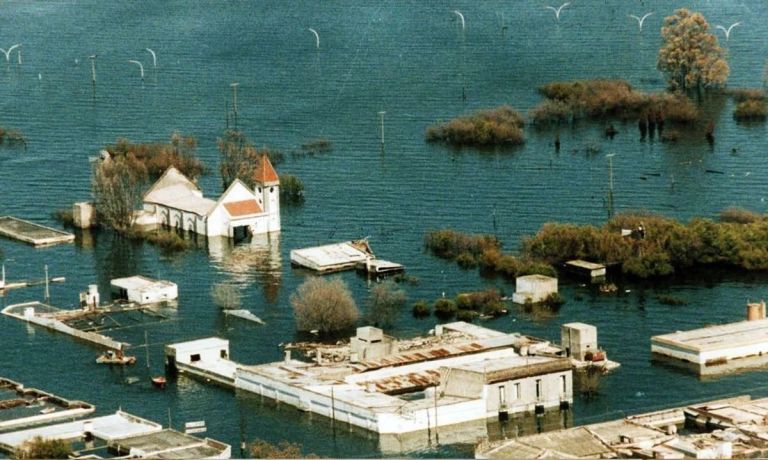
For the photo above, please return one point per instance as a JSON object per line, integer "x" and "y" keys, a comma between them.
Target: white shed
{"x": 533, "y": 288}
{"x": 209, "y": 350}
{"x": 142, "y": 290}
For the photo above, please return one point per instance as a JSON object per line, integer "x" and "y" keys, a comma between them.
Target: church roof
{"x": 175, "y": 190}
{"x": 243, "y": 208}
{"x": 264, "y": 173}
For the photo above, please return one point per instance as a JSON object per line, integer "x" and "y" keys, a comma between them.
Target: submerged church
{"x": 176, "y": 201}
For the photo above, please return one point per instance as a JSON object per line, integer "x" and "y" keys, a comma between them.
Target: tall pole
{"x": 146, "y": 346}
{"x": 234, "y": 100}
{"x": 610, "y": 184}
{"x": 381, "y": 115}
{"x": 47, "y": 292}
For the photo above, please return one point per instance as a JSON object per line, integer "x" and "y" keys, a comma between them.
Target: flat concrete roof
{"x": 109, "y": 427}
{"x": 172, "y": 444}
{"x": 720, "y": 337}
{"x": 330, "y": 254}
{"x": 584, "y": 264}
{"x": 139, "y": 282}
{"x": 199, "y": 344}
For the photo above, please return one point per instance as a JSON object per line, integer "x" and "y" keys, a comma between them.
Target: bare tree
{"x": 263, "y": 449}
{"x": 117, "y": 192}
{"x": 39, "y": 447}
{"x": 325, "y": 305}
{"x": 226, "y": 296}
{"x": 386, "y": 300}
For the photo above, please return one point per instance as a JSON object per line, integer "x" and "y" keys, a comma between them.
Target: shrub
{"x": 386, "y": 300}
{"x": 325, "y": 305}
{"x": 553, "y": 301}
{"x": 751, "y": 110}
{"x": 739, "y": 216}
{"x": 12, "y": 137}
{"x": 64, "y": 216}
{"x": 670, "y": 300}
{"x": 445, "y": 308}
{"x": 600, "y": 99}
{"x": 263, "y": 449}
{"x": 589, "y": 379}
{"x": 226, "y": 296}
{"x": 465, "y": 315}
{"x": 421, "y": 309}
{"x": 319, "y": 145}
{"x": 39, "y": 447}
{"x": 449, "y": 244}
{"x": 466, "y": 260}
{"x": 500, "y": 126}
{"x": 291, "y": 188}
{"x": 168, "y": 241}
{"x": 150, "y": 160}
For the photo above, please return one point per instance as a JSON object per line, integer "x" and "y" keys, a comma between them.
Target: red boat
{"x": 158, "y": 381}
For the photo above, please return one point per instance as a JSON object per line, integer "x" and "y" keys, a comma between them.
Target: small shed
{"x": 533, "y": 288}
{"x": 143, "y": 290}
{"x": 578, "y": 339}
{"x": 210, "y": 349}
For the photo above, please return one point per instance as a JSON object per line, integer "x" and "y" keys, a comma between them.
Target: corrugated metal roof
{"x": 405, "y": 383}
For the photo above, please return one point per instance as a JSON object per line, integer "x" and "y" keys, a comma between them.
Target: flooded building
{"x": 460, "y": 374}
{"x": 23, "y": 407}
{"x": 730, "y": 428}
{"x": 142, "y": 290}
{"x": 177, "y": 202}
{"x": 718, "y": 349}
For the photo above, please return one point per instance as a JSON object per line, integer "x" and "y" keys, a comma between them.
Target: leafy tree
{"x": 117, "y": 191}
{"x": 325, "y": 305}
{"x": 39, "y": 447}
{"x": 386, "y": 301}
{"x": 690, "y": 54}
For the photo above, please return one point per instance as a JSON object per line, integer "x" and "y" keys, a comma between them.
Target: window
{"x": 195, "y": 357}
{"x": 516, "y": 391}
{"x": 563, "y": 385}
{"x": 223, "y": 354}
{"x": 502, "y": 396}
{"x": 538, "y": 389}
{"x": 271, "y": 189}
{"x": 259, "y": 189}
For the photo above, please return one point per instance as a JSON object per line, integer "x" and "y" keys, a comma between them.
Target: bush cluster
{"x": 150, "y": 160}
{"x": 168, "y": 241}
{"x": 12, "y": 137}
{"x": 473, "y": 250}
{"x": 667, "y": 246}
{"x": 291, "y": 189}
{"x": 751, "y": 110}
{"x": 569, "y": 101}
{"x": 499, "y": 126}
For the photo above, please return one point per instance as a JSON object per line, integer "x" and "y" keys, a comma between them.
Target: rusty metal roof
{"x": 417, "y": 356}
{"x": 406, "y": 383}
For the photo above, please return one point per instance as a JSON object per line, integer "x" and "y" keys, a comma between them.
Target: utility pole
{"x": 381, "y": 116}
{"x": 610, "y": 184}
{"x": 47, "y": 292}
{"x": 234, "y": 100}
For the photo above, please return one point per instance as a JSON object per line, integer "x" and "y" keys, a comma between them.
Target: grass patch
{"x": 499, "y": 126}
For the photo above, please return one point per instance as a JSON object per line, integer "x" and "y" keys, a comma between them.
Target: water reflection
{"x": 257, "y": 260}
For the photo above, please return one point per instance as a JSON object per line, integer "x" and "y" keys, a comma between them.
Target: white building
{"x": 177, "y": 202}
{"x": 142, "y": 290}
{"x": 533, "y": 288}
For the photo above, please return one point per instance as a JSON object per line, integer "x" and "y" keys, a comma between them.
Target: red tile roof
{"x": 264, "y": 173}
{"x": 243, "y": 208}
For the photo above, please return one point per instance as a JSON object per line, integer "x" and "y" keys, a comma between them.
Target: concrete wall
{"x": 701, "y": 358}
{"x": 533, "y": 288}
{"x": 153, "y": 294}
{"x": 208, "y": 353}
{"x": 520, "y": 394}
{"x": 578, "y": 339}
{"x": 84, "y": 215}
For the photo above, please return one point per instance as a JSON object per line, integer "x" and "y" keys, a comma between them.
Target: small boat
{"x": 112, "y": 357}
{"x": 158, "y": 381}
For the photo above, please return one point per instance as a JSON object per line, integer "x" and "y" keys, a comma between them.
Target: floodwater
{"x": 413, "y": 60}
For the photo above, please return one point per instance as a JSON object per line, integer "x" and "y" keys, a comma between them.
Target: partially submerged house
{"x": 175, "y": 201}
